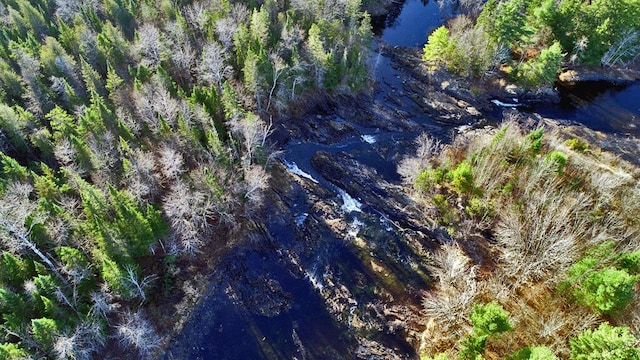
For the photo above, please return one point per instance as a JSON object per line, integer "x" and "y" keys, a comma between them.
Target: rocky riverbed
{"x": 335, "y": 263}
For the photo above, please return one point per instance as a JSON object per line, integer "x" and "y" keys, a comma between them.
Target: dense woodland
{"x": 531, "y": 40}
{"x": 133, "y": 138}
{"x": 545, "y": 256}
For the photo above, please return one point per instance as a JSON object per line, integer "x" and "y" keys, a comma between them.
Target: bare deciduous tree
{"x": 140, "y": 177}
{"x": 410, "y": 167}
{"x": 15, "y": 209}
{"x": 86, "y": 340}
{"x": 171, "y": 162}
{"x": 213, "y": 68}
{"x": 149, "y": 45}
{"x": 136, "y": 283}
{"x": 188, "y": 211}
{"x": 256, "y": 180}
{"x": 136, "y": 332}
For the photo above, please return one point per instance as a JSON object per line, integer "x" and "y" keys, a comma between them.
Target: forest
{"x": 533, "y": 40}
{"x": 134, "y": 140}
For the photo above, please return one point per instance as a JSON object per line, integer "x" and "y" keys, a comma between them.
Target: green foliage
{"x": 14, "y": 271}
{"x": 114, "y": 277}
{"x": 606, "y": 291}
{"x": 461, "y": 178}
{"x": 588, "y": 31}
{"x": 510, "y": 22}
{"x": 577, "y": 145}
{"x": 593, "y": 281}
{"x": 44, "y": 331}
{"x": 489, "y": 319}
{"x": 535, "y": 139}
{"x": 479, "y": 208}
{"x": 533, "y": 353}
{"x": 542, "y": 70}
{"x": 473, "y": 347}
{"x": 429, "y": 177}
{"x": 438, "y": 48}
{"x": 630, "y": 262}
{"x": 559, "y": 159}
{"x": 12, "y": 351}
{"x": 605, "y": 343}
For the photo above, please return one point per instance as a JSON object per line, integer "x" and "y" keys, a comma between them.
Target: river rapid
{"x": 333, "y": 266}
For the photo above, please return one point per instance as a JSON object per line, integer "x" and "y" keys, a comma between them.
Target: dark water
{"x": 414, "y": 23}
{"x": 600, "y": 106}
{"x": 226, "y": 326}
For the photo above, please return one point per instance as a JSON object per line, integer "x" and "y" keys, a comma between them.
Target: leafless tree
{"x": 623, "y": 51}
{"x": 85, "y": 341}
{"x": 141, "y": 178}
{"x": 136, "y": 283}
{"x": 410, "y": 167}
{"x": 179, "y": 49}
{"x": 254, "y": 132}
{"x": 149, "y": 44}
{"x": 153, "y": 102}
{"x": 136, "y": 332}
{"x": 67, "y": 9}
{"x": 102, "y": 303}
{"x": 256, "y": 180}
{"x": 213, "y": 68}
{"x": 278, "y": 68}
{"x": 171, "y": 162}
{"x": 189, "y": 211}
{"x": 15, "y": 209}
{"x": 446, "y": 308}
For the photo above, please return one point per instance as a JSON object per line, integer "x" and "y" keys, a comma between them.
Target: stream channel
{"x": 333, "y": 270}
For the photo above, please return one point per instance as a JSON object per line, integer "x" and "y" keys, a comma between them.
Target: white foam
{"x": 354, "y": 227}
{"x": 349, "y": 204}
{"x": 369, "y": 139}
{"x": 294, "y": 169}
{"x": 503, "y": 104}
{"x": 384, "y": 221}
{"x": 301, "y": 218}
{"x": 314, "y": 278}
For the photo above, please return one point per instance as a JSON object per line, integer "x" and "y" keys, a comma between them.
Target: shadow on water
{"x": 598, "y": 105}
{"x": 229, "y": 322}
{"x": 411, "y": 25}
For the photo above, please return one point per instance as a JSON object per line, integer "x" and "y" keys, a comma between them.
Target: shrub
{"x": 11, "y": 351}
{"x": 606, "y": 291}
{"x": 541, "y": 70}
{"x": 429, "y": 177}
{"x": 577, "y": 145}
{"x": 559, "y": 159}
{"x": 489, "y": 319}
{"x": 462, "y": 178}
{"x": 479, "y": 208}
{"x": 605, "y": 343}
{"x": 535, "y": 139}
{"x": 473, "y": 347}
{"x": 630, "y": 262}
{"x": 533, "y": 353}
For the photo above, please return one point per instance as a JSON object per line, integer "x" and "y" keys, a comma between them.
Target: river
{"x": 326, "y": 273}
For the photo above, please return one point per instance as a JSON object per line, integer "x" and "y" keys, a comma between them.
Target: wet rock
{"x": 612, "y": 75}
{"x": 364, "y": 184}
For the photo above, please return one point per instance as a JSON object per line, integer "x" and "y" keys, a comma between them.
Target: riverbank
{"x": 335, "y": 264}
